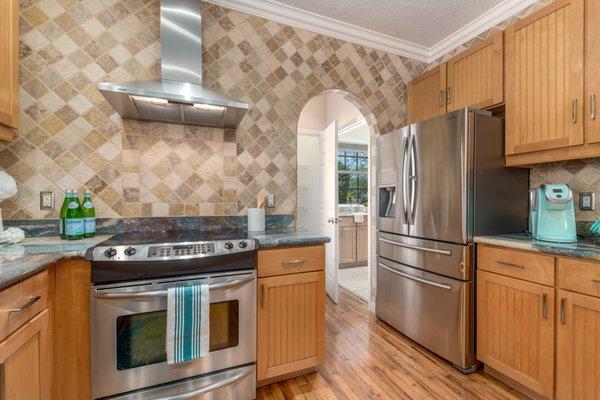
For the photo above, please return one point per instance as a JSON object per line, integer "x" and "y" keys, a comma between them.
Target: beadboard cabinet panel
{"x": 427, "y": 95}
{"x": 578, "y": 347}
{"x": 291, "y": 323}
{"x": 544, "y": 74}
{"x": 515, "y": 330}
{"x": 476, "y": 76}
{"x": 9, "y": 66}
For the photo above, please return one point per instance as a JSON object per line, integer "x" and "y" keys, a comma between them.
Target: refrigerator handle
{"x": 404, "y": 173}
{"x": 413, "y": 178}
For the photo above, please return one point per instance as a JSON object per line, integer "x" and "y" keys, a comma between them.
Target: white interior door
{"x": 329, "y": 206}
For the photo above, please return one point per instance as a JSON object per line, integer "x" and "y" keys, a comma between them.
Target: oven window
{"x": 141, "y": 338}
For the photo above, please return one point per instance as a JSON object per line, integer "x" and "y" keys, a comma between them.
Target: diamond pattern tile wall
{"x": 70, "y": 137}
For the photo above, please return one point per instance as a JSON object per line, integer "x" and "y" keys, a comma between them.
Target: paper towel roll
{"x": 256, "y": 219}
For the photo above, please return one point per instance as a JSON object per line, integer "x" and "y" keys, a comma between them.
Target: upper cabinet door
{"x": 476, "y": 76}
{"x": 9, "y": 63}
{"x": 592, "y": 71}
{"x": 544, "y": 78}
{"x": 427, "y": 95}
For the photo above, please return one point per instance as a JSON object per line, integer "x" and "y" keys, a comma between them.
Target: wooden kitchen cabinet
{"x": 578, "y": 346}
{"x": 545, "y": 83}
{"x": 353, "y": 242}
{"x": 476, "y": 76}
{"x": 515, "y": 330}
{"x": 25, "y": 360}
{"x": 592, "y": 72}
{"x": 291, "y": 320}
{"x": 348, "y": 244}
{"x": 9, "y": 67}
{"x": 71, "y": 329}
{"x": 427, "y": 95}
{"x": 362, "y": 243}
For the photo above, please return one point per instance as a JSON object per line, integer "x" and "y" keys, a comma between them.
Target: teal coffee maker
{"x": 552, "y": 214}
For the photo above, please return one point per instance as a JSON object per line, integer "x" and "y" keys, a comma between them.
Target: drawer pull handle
{"x": 545, "y": 305}
{"x": 593, "y": 106}
{"x": 25, "y": 306}
{"x": 563, "y": 312}
{"x": 419, "y": 248}
{"x": 416, "y": 278}
{"x": 263, "y": 295}
{"x": 574, "y": 112}
{"x": 508, "y": 264}
{"x": 596, "y": 281}
{"x": 294, "y": 262}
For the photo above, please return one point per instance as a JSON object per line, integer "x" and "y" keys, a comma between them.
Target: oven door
{"x": 129, "y": 331}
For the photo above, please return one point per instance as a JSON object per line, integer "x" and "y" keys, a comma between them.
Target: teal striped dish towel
{"x": 187, "y": 323}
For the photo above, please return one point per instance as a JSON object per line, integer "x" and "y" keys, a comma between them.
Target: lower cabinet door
{"x": 578, "y": 346}
{"x": 347, "y": 244}
{"x": 515, "y": 330}
{"x": 291, "y": 323}
{"x": 25, "y": 361}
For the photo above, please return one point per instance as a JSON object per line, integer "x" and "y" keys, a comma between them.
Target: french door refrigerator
{"x": 441, "y": 182}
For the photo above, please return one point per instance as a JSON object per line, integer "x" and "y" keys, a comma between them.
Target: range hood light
{"x": 208, "y": 107}
{"x": 153, "y": 100}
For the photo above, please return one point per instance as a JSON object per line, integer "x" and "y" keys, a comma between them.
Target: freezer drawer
{"x": 432, "y": 310}
{"x": 452, "y": 260}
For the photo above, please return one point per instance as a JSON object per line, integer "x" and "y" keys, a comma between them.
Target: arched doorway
{"x": 353, "y": 119}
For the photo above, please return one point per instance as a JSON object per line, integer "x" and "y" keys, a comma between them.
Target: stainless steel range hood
{"x": 179, "y": 96}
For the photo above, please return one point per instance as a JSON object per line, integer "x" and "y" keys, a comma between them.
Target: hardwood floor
{"x": 367, "y": 359}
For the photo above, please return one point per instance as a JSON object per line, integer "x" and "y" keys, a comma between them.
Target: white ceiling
{"x": 421, "y": 29}
{"x": 422, "y": 22}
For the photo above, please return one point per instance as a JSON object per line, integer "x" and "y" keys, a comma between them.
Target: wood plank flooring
{"x": 367, "y": 359}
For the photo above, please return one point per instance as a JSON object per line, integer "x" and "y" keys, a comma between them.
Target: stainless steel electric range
{"x": 130, "y": 277}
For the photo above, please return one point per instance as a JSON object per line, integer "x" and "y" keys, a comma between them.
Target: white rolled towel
{"x": 359, "y": 218}
{"x": 8, "y": 186}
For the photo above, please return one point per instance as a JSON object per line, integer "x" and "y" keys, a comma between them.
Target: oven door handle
{"x": 210, "y": 387}
{"x": 161, "y": 293}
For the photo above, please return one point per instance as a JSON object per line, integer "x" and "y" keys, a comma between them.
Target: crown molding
{"x": 285, "y": 14}
{"x": 491, "y": 18}
{"x": 296, "y": 17}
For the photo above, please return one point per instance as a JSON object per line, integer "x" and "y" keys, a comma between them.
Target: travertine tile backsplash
{"x": 70, "y": 137}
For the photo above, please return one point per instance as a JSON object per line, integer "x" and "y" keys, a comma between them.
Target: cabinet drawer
{"x": 579, "y": 276}
{"x": 21, "y": 302}
{"x": 531, "y": 267}
{"x": 291, "y": 260}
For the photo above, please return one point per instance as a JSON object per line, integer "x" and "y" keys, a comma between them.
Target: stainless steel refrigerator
{"x": 441, "y": 182}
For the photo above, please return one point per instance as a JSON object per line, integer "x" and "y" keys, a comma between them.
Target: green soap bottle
{"x": 74, "y": 218}
{"x": 63, "y": 214}
{"x": 89, "y": 216}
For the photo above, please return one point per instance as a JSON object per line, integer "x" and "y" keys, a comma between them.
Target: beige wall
{"x": 70, "y": 138}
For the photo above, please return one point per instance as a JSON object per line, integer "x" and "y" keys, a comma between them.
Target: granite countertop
{"x": 586, "y": 248}
{"x": 21, "y": 260}
{"x": 18, "y": 261}
{"x": 287, "y": 237}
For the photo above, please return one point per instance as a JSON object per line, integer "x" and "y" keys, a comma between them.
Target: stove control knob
{"x": 130, "y": 251}
{"x": 110, "y": 252}
{"x": 243, "y": 245}
{"x": 228, "y": 245}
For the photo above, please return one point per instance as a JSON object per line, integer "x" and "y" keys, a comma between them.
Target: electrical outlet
{"x": 587, "y": 201}
{"x": 47, "y": 201}
{"x": 271, "y": 201}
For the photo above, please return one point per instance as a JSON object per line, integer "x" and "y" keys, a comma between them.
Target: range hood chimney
{"x": 179, "y": 96}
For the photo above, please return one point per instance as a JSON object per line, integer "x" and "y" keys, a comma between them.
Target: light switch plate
{"x": 587, "y": 201}
{"x": 46, "y": 201}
